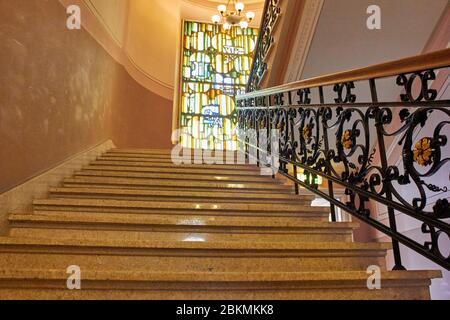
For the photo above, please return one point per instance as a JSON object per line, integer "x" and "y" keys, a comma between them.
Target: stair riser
{"x": 167, "y": 153}
{"x": 300, "y": 215}
{"x": 174, "y": 198}
{"x": 183, "y": 160}
{"x": 217, "y": 196}
{"x": 219, "y": 157}
{"x": 200, "y": 167}
{"x": 141, "y": 151}
{"x": 174, "y": 233}
{"x": 177, "y": 170}
{"x": 180, "y": 183}
{"x": 182, "y": 260}
{"x": 92, "y": 290}
{"x": 179, "y": 205}
{"x": 177, "y": 176}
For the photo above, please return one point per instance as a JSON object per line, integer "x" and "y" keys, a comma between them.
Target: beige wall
{"x": 62, "y": 93}
{"x": 152, "y": 38}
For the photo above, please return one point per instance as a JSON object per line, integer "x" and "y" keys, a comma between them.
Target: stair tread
{"x": 190, "y": 160}
{"x": 213, "y": 156}
{"x": 136, "y": 275}
{"x": 306, "y": 216}
{"x": 218, "y": 221}
{"x": 174, "y": 170}
{"x": 181, "y": 193}
{"x": 138, "y": 163}
{"x": 152, "y": 151}
{"x": 175, "y": 176}
{"x": 217, "y": 206}
{"x": 335, "y": 247}
{"x": 178, "y": 183}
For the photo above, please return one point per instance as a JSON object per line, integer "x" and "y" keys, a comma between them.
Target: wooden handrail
{"x": 433, "y": 60}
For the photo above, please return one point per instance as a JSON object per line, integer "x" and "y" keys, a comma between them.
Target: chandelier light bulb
{"x": 233, "y": 17}
{"x": 222, "y": 8}
{"x": 243, "y": 24}
{"x": 250, "y": 15}
{"x": 216, "y": 19}
{"x": 240, "y": 6}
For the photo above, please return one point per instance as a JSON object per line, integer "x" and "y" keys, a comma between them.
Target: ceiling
{"x": 341, "y": 41}
{"x": 212, "y": 4}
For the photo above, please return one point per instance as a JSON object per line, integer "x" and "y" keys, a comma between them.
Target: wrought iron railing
{"x": 264, "y": 44}
{"x": 387, "y": 150}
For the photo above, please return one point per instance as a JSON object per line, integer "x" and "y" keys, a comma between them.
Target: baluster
{"x": 293, "y": 157}
{"x": 327, "y": 148}
{"x": 384, "y": 165}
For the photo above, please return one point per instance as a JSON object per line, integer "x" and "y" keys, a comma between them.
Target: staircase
{"x": 140, "y": 227}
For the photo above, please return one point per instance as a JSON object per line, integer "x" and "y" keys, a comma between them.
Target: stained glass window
{"x": 215, "y": 69}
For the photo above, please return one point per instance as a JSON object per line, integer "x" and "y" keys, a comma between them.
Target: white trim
{"x": 303, "y": 39}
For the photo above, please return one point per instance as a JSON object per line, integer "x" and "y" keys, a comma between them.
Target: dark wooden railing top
{"x": 433, "y": 60}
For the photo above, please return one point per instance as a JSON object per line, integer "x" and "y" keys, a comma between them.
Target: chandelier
{"x": 235, "y": 16}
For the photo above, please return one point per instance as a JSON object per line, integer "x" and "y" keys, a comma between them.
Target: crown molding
{"x": 94, "y": 11}
{"x": 303, "y": 39}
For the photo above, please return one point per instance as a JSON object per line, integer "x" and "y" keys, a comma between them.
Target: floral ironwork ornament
{"x": 423, "y": 152}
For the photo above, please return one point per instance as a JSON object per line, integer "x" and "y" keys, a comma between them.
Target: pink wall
{"x": 440, "y": 288}
{"x": 62, "y": 93}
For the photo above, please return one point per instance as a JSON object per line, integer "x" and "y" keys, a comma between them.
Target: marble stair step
{"x": 200, "y": 167}
{"x": 177, "y": 228}
{"x": 127, "y": 206}
{"x": 121, "y": 284}
{"x": 216, "y": 156}
{"x": 152, "y": 151}
{"x": 186, "y": 160}
{"x": 188, "y": 184}
{"x": 307, "y": 216}
{"x": 176, "y": 176}
{"x": 180, "y": 195}
{"x": 177, "y": 170}
{"x": 72, "y": 183}
{"x": 192, "y": 256}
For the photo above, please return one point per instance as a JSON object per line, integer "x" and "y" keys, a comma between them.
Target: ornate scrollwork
{"x": 424, "y": 93}
{"x": 349, "y": 97}
{"x": 303, "y": 96}
{"x": 279, "y": 99}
